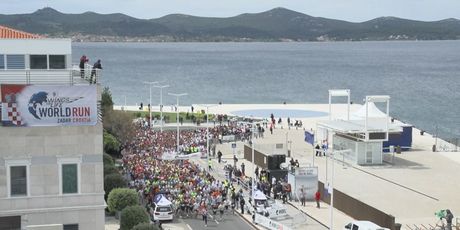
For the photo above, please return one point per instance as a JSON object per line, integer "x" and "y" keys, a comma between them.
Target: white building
{"x": 51, "y": 169}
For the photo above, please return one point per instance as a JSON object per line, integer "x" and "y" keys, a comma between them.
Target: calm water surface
{"x": 422, "y": 78}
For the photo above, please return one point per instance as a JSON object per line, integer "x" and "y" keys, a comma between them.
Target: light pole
{"x": 207, "y": 131}
{"x": 252, "y": 158}
{"x": 177, "y": 95}
{"x": 150, "y": 101}
{"x": 161, "y": 103}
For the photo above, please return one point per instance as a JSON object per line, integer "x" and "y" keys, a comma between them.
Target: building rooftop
{"x": 9, "y": 33}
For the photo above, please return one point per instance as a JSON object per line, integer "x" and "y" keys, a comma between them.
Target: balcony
{"x": 73, "y": 76}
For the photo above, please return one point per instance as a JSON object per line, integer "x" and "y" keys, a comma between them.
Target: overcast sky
{"x": 350, "y": 10}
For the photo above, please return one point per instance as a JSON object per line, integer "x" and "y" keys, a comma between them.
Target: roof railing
{"x": 73, "y": 76}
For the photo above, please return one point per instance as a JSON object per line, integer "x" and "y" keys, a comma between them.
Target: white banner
{"x": 270, "y": 224}
{"x": 35, "y": 105}
{"x": 170, "y": 156}
{"x": 228, "y": 138}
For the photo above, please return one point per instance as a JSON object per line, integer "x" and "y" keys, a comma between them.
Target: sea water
{"x": 422, "y": 77}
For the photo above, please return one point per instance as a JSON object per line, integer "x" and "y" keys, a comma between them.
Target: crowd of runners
{"x": 187, "y": 185}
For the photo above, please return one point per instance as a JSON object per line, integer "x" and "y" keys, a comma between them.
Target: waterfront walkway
{"x": 416, "y": 185}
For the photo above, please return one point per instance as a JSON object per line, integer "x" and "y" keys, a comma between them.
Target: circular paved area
{"x": 293, "y": 113}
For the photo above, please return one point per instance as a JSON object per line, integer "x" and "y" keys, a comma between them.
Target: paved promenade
{"x": 417, "y": 184}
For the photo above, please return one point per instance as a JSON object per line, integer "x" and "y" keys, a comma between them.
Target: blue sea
{"x": 422, "y": 77}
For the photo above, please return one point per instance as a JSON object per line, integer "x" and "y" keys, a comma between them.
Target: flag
{"x": 309, "y": 137}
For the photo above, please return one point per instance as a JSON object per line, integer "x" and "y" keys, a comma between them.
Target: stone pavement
{"x": 417, "y": 184}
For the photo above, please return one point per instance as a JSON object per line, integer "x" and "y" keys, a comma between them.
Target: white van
{"x": 363, "y": 225}
{"x": 162, "y": 209}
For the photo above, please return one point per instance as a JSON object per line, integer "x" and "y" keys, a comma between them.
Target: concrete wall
{"x": 44, "y": 147}
{"x": 36, "y": 46}
{"x": 87, "y": 219}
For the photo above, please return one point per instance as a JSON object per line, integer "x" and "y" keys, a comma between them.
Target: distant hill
{"x": 278, "y": 24}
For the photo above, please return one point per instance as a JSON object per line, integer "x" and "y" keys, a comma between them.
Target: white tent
{"x": 258, "y": 195}
{"x": 161, "y": 200}
{"x": 373, "y": 112}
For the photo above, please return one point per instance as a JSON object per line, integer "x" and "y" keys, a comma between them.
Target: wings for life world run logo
{"x": 43, "y": 105}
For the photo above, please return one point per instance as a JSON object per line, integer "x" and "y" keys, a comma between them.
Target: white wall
{"x": 35, "y": 46}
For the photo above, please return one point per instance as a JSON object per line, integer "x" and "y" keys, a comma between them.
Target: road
{"x": 229, "y": 222}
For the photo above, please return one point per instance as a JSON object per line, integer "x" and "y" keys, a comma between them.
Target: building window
{"x": 14, "y": 61}
{"x": 38, "y": 62}
{"x": 70, "y": 227}
{"x": 18, "y": 180}
{"x": 69, "y": 178}
{"x": 57, "y": 61}
{"x": 2, "y": 61}
{"x": 10, "y": 222}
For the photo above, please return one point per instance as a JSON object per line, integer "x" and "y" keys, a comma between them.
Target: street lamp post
{"x": 252, "y": 158}
{"x": 207, "y": 131}
{"x": 150, "y": 101}
{"x": 161, "y": 103}
{"x": 177, "y": 95}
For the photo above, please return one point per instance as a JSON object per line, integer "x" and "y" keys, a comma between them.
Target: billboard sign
{"x": 35, "y": 105}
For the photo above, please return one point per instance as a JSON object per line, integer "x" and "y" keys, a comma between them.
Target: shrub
{"x": 120, "y": 198}
{"x": 132, "y": 216}
{"x": 108, "y": 160}
{"x": 145, "y": 226}
{"x": 110, "y": 169}
{"x": 111, "y": 144}
{"x": 112, "y": 181}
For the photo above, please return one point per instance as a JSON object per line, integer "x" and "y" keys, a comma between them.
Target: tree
{"x": 112, "y": 181}
{"x": 132, "y": 216}
{"x": 120, "y": 124}
{"x": 111, "y": 144}
{"x": 145, "y": 226}
{"x": 108, "y": 160}
{"x": 106, "y": 101}
{"x": 120, "y": 198}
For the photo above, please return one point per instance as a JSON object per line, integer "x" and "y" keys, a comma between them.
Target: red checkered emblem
{"x": 13, "y": 114}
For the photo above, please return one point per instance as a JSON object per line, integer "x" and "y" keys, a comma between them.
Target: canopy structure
{"x": 373, "y": 112}
{"x": 258, "y": 195}
{"x": 161, "y": 200}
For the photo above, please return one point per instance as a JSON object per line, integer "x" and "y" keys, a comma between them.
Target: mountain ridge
{"x": 278, "y": 24}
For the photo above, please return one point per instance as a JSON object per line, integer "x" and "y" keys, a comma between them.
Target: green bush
{"x": 108, "y": 160}
{"x": 110, "y": 169}
{"x": 112, "y": 181}
{"x": 120, "y": 198}
{"x": 145, "y": 226}
{"x": 132, "y": 216}
{"x": 111, "y": 144}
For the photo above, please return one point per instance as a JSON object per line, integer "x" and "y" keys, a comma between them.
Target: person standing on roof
{"x": 96, "y": 67}
{"x": 83, "y": 61}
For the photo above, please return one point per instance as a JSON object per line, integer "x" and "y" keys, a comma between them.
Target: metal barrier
{"x": 51, "y": 77}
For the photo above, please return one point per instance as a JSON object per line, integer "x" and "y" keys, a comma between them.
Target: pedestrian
{"x": 96, "y": 67}
{"x": 204, "y": 213}
{"x": 219, "y": 156}
{"x": 317, "y": 198}
{"x": 449, "y": 217}
{"x": 235, "y": 159}
{"x": 83, "y": 61}
{"x": 242, "y": 202}
{"x": 242, "y": 169}
{"x": 303, "y": 196}
{"x": 318, "y": 152}
{"x": 256, "y": 172}
{"x": 221, "y": 210}
{"x": 289, "y": 122}
{"x": 192, "y": 108}
{"x": 210, "y": 165}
